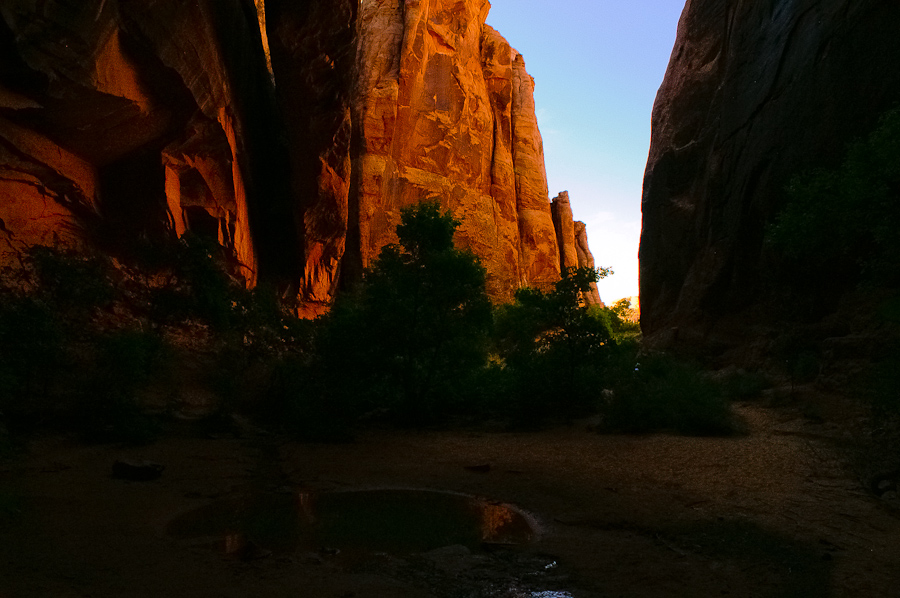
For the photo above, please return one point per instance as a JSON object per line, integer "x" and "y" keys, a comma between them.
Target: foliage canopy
{"x": 407, "y": 337}
{"x": 843, "y": 222}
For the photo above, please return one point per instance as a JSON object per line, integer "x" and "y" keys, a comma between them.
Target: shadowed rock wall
{"x": 125, "y": 120}
{"x": 755, "y": 92}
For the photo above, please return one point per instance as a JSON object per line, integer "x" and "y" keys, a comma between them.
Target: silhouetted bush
{"x": 107, "y": 408}
{"x": 842, "y": 223}
{"x": 743, "y": 385}
{"x": 884, "y": 387}
{"x": 406, "y": 341}
{"x": 666, "y": 394}
{"x": 31, "y": 351}
{"x": 557, "y": 354}
{"x": 199, "y": 286}
{"x": 70, "y": 280}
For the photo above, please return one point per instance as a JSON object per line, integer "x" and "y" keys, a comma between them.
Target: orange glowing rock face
{"x": 493, "y": 519}
{"x": 446, "y": 111}
{"x": 586, "y": 260}
{"x": 161, "y": 118}
{"x": 31, "y": 211}
{"x": 565, "y": 231}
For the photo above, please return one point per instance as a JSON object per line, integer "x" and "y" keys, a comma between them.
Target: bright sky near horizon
{"x": 597, "y": 65}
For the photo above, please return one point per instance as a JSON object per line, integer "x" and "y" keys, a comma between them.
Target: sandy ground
{"x": 772, "y": 513}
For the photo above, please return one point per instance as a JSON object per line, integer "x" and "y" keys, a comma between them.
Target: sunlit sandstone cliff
{"x": 441, "y": 107}
{"x": 292, "y": 132}
{"x": 755, "y": 93}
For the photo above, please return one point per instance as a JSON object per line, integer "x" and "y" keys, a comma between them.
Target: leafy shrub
{"x": 742, "y": 385}
{"x": 69, "y": 280}
{"x": 665, "y": 394}
{"x": 303, "y": 403}
{"x": 798, "y": 354}
{"x": 557, "y": 353}
{"x": 106, "y": 408}
{"x": 884, "y": 382}
{"x": 199, "y": 286}
{"x": 623, "y": 321}
{"x": 406, "y": 340}
{"x": 31, "y": 354}
{"x": 843, "y": 223}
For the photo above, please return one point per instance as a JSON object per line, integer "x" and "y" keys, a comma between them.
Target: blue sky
{"x": 597, "y": 65}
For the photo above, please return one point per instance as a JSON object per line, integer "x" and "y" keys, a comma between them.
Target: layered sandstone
{"x": 754, "y": 93}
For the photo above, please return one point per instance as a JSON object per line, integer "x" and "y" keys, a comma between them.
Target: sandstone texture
{"x": 313, "y": 53}
{"x": 571, "y": 237}
{"x": 444, "y": 110}
{"x": 132, "y": 120}
{"x": 293, "y": 133}
{"x": 754, "y": 94}
{"x": 586, "y": 260}
{"x": 564, "y": 225}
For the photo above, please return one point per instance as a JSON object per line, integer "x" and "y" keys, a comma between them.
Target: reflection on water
{"x": 392, "y": 521}
{"x": 495, "y": 519}
{"x": 551, "y": 595}
{"x": 305, "y": 502}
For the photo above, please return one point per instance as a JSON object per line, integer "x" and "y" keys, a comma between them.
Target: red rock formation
{"x": 42, "y": 187}
{"x": 313, "y": 52}
{"x": 148, "y": 119}
{"x": 444, "y": 109}
{"x": 754, "y": 94}
{"x": 564, "y": 225}
{"x": 538, "y": 249}
{"x": 586, "y": 260}
{"x": 142, "y": 102}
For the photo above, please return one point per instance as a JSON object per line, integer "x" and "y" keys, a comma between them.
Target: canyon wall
{"x": 443, "y": 109}
{"x": 129, "y": 120}
{"x": 755, "y": 92}
{"x": 294, "y": 133}
{"x": 571, "y": 237}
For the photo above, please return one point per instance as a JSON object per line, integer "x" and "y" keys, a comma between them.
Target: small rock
{"x": 137, "y": 471}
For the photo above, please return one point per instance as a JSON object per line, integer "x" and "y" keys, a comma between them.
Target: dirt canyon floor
{"x": 775, "y": 512}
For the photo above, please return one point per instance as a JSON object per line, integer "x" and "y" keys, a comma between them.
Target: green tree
{"x": 843, "y": 222}
{"x": 407, "y": 339}
{"x": 556, "y": 351}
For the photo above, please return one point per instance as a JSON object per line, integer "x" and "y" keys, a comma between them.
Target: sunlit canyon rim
{"x": 292, "y": 132}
